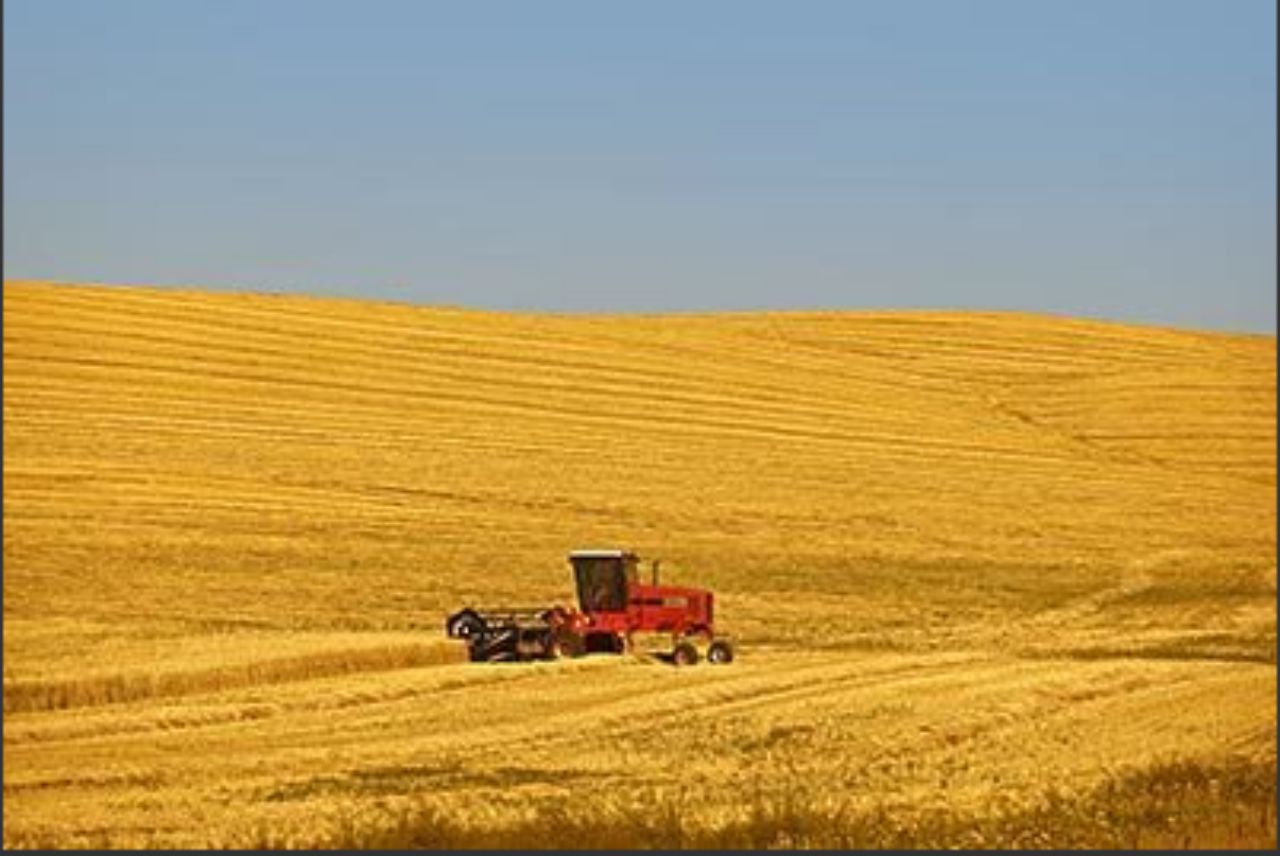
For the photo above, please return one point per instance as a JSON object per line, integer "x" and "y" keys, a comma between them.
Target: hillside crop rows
{"x": 974, "y": 562}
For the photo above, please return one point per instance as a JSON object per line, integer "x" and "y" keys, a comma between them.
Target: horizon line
{"x": 276, "y": 292}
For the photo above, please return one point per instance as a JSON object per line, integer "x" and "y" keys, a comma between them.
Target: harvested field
{"x": 996, "y": 579}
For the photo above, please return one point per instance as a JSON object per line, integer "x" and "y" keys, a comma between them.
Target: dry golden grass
{"x": 1172, "y": 805}
{"x": 992, "y": 575}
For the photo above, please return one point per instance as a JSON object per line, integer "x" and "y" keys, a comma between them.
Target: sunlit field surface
{"x": 995, "y": 580}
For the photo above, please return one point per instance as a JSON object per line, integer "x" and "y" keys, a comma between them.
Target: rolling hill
{"x": 964, "y": 555}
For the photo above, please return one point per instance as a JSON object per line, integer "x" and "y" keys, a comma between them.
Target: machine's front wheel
{"x": 720, "y": 652}
{"x": 684, "y": 654}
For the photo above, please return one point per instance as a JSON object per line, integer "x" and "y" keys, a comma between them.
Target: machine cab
{"x": 603, "y": 578}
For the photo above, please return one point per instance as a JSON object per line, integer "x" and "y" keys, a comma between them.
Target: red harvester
{"x": 613, "y": 606}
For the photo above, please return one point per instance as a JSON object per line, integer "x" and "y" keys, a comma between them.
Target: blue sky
{"x": 1100, "y": 158}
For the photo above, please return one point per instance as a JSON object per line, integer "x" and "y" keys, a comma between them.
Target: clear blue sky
{"x": 1101, "y": 158}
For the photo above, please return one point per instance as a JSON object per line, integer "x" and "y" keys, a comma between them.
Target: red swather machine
{"x": 613, "y": 606}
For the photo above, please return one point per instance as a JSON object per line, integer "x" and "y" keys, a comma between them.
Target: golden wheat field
{"x": 995, "y": 579}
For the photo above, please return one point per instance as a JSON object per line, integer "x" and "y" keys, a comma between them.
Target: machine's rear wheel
{"x": 684, "y": 654}
{"x": 720, "y": 652}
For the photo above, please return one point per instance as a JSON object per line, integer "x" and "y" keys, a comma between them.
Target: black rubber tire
{"x": 464, "y": 624}
{"x": 720, "y": 652}
{"x": 684, "y": 654}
